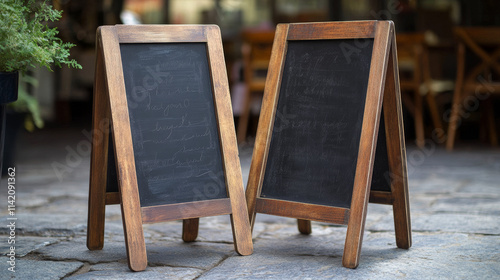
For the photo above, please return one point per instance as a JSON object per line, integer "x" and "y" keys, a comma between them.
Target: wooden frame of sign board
{"x": 381, "y": 107}
{"x": 111, "y": 118}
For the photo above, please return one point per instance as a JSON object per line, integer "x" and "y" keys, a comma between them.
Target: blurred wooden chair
{"x": 415, "y": 76}
{"x": 477, "y": 81}
{"x": 256, "y": 50}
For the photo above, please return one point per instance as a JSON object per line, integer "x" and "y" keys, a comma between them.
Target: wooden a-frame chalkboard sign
{"x": 330, "y": 135}
{"x": 163, "y": 144}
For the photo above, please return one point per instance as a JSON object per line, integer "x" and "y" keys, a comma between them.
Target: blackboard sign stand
{"x": 198, "y": 49}
{"x": 289, "y": 150}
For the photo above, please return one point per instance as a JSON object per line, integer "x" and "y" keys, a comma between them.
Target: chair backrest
{"x": 410, "y": 50}
{"x": 484, "y": 42}
{"x": 409, "y": 44}
{"x": 480, "y": 35}
{"x": 256, "y": 50}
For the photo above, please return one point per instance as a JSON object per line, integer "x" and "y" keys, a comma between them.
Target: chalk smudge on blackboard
{"x": 173, "y": 123}
{"x": 312, "y": 157}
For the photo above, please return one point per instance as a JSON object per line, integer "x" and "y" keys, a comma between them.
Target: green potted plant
{"x": 26, "y": 41}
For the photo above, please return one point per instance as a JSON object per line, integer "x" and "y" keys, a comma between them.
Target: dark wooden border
{"x": 383, "y": 88}
{"x": 187, "y": 210}
{"x": 331, "y": 30}
{"x": 381, "y": 197}
{"x": 110, "y": 102}
{"x": 112, "y": 198}
{"x": 367, "y": 145}
{"x": 304, "y": 211}
{"x": 124, "y": 154}
{"x": 266, "y": 120}
{"x": 162, "y": 33}
{"x": 396, "y": 149}
{"x": 98, "y": 157}
{"x": 228, "y": 144}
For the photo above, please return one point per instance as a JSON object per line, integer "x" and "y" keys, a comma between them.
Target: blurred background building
{"x": 428, "y": 45}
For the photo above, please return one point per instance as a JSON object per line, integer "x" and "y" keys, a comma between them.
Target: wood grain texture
{"x": 112, "y": 198}
{"x": 186, "y": 210}
{"x": 266, "y": 120}
{"x": 381, "y": 197}
{"x": 124, "y": 154}
{"x": 396, "y": 149}
{"x": 303, "y": 211}
{"x": 331, "y": 30}
{"x": 224, "y": 113}
{"x": 304, "y": 226}
{"x": 190, "y": 229}
{"x": 99, "y": 160}
{"x": 366, "y": 154}
{"x": 165, "y": 33}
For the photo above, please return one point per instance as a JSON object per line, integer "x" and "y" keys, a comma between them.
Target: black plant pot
{"x": 8, "y": 93}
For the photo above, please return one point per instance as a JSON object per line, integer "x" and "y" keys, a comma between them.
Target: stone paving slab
{"x": 463, "y": 223}
{"x": 27, "y": 244}
{"x": 468, "y": 205}
{"x": 202, "y": 255}
{"x": 76, "y": 250}
{"x": 118, "y": 271}
{"x": 38, "y": 269}
{"x": 47, "y": 225}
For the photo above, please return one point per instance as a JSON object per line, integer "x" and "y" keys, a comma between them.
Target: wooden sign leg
{"x": 396, "y": 151}
{"x": 240, "y": 222}
{"x": 123, "y": 149}
{"x": 304, "y": 226}
{"x": 190, "y": 229}
{"x": 98, "y": 163}
{"x": 368, "y": 143}
{"x": 239, "y": 219}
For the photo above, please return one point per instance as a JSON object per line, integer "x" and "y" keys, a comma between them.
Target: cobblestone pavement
{"x": 455, "y": 208}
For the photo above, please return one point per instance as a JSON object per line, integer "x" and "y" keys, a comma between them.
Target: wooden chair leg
{"x": 457, "y": 94}
{"x": 430, "y": 97}
{"x": 190, "y": 229}
{"x": 419, "y": 120}
{"x": 408, "y": 103}
{"x": 452, "y": 127}
{"x": 304, "y": 226}
{"x": 490, "y": 114}
{"x": 241, "y": 134}
{"x": 484, "y": 123}
{"x": 436, "y": 119}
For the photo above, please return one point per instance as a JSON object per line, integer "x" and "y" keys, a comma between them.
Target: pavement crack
{"x": 214, "y": 266}
{"x": 82, "y": 270}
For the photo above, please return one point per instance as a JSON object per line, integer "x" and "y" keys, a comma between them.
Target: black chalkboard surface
{"x": 173, "y": 124}
{"x": 381, "y": 174}
{"x": 314, "y": 146}
{"x": 111, "y": 177}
